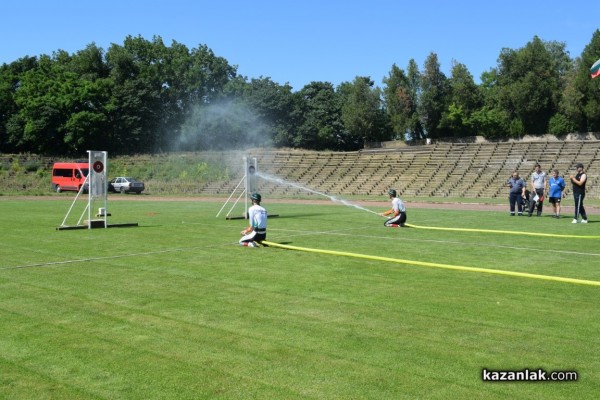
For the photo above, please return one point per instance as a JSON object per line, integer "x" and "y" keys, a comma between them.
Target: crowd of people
{"x": 524, "y": 198}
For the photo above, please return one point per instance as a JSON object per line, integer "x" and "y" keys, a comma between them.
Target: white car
{"x": 125, "y": 184}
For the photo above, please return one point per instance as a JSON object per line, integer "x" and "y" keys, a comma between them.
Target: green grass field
{"x": 175, "y": 309}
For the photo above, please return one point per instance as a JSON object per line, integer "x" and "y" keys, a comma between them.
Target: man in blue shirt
{"x": 517, "y": 192}
{"x": 556, "y": 187}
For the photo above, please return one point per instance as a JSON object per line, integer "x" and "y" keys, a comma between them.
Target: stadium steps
{"x": 441, "y": 170}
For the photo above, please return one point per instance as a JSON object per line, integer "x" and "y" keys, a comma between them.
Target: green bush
{"x": 560, "y": 125}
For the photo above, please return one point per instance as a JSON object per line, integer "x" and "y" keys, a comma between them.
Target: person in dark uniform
{"x": 516, "y": 194}
{"x": 579, "y": 180}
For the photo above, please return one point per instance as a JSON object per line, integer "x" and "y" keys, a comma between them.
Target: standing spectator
{"x": 556, "y": 186}
{"x": 516, "y": 194}
{"x": 579, "y": 181}
{"x": 398, "y": 211}
{"x": 538, "y": 185}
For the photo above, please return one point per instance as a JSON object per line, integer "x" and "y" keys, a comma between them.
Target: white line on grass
{"x": 64, "y": 262}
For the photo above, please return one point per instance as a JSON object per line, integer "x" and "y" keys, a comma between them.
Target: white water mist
{"x": 223, "y": 125}
{"x": 297, "y": 186}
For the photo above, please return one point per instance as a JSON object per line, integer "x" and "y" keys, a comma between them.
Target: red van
{"x": 69, "y": 176}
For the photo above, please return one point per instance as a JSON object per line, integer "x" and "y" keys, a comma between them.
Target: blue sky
{"x": 305, "y": 40}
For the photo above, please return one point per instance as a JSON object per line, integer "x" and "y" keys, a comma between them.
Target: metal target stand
{"x": 249, "y": 186}
{"x": 249, "y": 171}
{"x": 97, "y": 187}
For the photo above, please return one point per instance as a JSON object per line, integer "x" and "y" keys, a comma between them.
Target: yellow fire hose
{"x": 503, "y": 232}
{"x": 437, "y": 265}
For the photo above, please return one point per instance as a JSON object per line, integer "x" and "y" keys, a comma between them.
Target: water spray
{"x": 298, "y": 186}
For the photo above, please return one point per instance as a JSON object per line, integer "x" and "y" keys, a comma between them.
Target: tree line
{"x": 145, "y": 97}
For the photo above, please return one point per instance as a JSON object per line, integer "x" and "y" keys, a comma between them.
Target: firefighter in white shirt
{"x": 257, "y": 229}
{"x": 398, "y": 211}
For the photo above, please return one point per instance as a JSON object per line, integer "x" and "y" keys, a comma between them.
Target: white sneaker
{"x": 574, "y": 221}
{"x": 584, "y": 221}
{"x": 252, "y": 244}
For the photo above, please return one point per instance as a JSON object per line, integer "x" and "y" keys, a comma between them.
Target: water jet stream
{"x": 298, "y": 186}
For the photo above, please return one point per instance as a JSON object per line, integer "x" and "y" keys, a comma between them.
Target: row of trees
{"x": 145, "y": 97}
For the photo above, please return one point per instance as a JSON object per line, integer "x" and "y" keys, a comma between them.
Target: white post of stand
{"x": 98, "y": 185}
{"x": 251, "y": 170}
{"x": 245, "y": 186}
{"x": 248, "y": 179}
{"x": 254, "y": 178}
